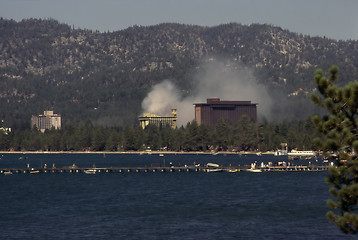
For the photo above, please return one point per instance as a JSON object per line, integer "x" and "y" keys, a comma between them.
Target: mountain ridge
{"x": 85, "y": 74}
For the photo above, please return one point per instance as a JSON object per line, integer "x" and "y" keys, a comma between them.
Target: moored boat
{"x": 7, "y": 172}
{"x": 214, "y": 170}
{"x": 295, "y": 152}
{"x": 213, "y": 167}
{"x": 90, "y": 171}
{"x": 255, "y": 170}
{"x": 34, "y": 171}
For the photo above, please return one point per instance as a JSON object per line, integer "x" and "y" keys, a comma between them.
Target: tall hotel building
{"x": 46, "y": 121}
{"x": 210, "y": 112}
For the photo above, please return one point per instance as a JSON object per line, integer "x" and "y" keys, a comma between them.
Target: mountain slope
{"x": 104, "y": 77}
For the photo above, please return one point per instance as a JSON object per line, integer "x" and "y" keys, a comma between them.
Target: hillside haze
{"x": 113, "y": 77}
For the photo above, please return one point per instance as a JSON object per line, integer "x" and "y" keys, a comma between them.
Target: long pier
{"x": 42, "y": 170}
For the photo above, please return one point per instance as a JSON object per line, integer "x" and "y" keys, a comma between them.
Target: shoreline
{"x": 132, "y": 152}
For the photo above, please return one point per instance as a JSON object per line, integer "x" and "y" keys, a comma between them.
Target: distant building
{"x": 210, "y": 112}
{"x": 149, "y": 118}
{"x": 46, "y": 121}
{"x": 6, "y": 131}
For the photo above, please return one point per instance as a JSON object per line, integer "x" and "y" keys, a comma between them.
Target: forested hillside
{"x": 103, "y": 77}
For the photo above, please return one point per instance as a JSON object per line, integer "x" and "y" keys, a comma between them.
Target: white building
{"x": 46, "y": 121}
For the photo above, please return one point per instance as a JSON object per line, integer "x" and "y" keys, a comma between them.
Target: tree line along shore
{"x": 244, "y": 136}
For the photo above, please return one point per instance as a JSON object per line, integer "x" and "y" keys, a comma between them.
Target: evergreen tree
{"x": 52, "y": 140}
{"x": 98, "y": 139}
{"x": 245, "y": 134}
{"x": 152, "y": 137}
{"x": 222, "y": 134}
{"x": 179, "y": 138}
{"x": 129, "y": 140}
{"x": 113, "y": 141}
{"x": 340, "y": 127}
{"x": 167, "y": 136}
{"x": 4, "y": 141}
{"x": 139, "y": 138}
{"x": 83, "y": 135}
{"x": 191, "y": 136}
{"x": 267, "y": 136}
{"x": 204, "y": 137}
{"x": 68, "y": 139}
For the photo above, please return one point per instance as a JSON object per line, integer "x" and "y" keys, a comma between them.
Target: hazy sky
{"x": 331, "y": 18}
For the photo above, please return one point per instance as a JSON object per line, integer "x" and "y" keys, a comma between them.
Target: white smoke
{"x": 215, "y": 80}
{"x": 163, "y": 97}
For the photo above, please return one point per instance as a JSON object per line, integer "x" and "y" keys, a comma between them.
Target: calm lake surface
{"x": 178, "y": 205}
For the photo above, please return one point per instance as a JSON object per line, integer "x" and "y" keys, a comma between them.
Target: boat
{"x": 295, "y": 152}
{"x": 7, "y": 172}
{"x": 90, "y": 171}
{"x": 213, "y": 167}
{"x": 255, "y": 170}
{"x": 34, "y": 171}
{"x": 213, "y": 170}
{"x": 233, "y": 170}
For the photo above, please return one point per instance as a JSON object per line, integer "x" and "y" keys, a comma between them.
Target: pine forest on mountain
{"x": 101, "y": 78}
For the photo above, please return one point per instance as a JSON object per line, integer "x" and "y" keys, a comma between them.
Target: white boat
{"x": 7, "y": 172}
{"x": 34, "y": 171}
{"x": 213, "y": 167}
{"x": 255, "y": 170}
{"x": 90, "y": 171}
{"x": 213, "y": 170}
{"x": 295, "y": 152}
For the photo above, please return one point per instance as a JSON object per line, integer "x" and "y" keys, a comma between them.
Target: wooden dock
{"x": 10, "y": 171}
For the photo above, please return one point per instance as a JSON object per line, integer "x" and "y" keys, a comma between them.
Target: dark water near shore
{"x": 179, "y": 205}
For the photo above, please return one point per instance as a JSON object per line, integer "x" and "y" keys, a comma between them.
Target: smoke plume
{"x": 214, "y": 80}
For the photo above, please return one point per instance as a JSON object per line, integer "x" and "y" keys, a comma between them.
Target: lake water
{"x": 178, "y": 205}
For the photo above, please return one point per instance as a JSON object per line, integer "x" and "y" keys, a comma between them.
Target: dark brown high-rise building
{"x": 210, "y": 112}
